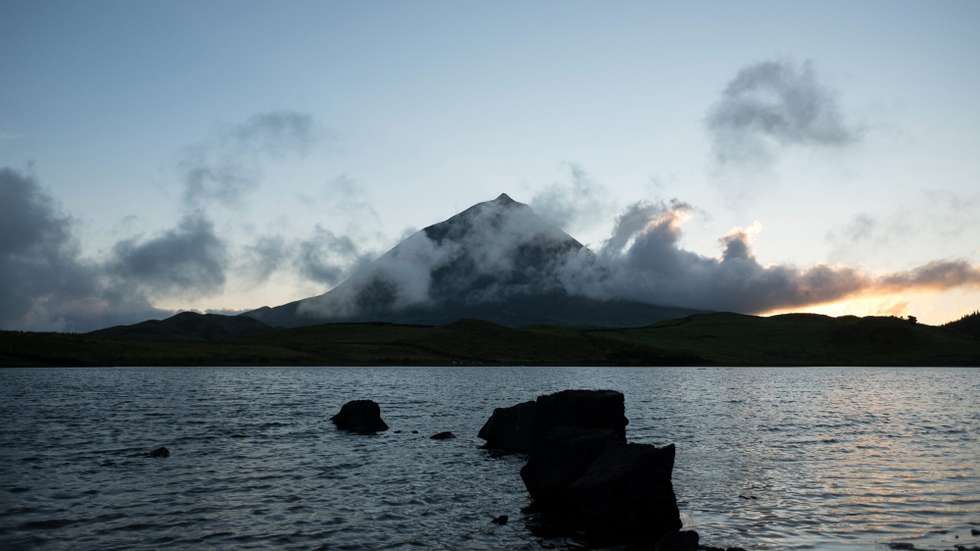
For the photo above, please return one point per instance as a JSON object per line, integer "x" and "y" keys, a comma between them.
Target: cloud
{"x": 263, "y": 257}
{"x": 44, "y": 283}
{"x": 326, "y": 257}
{"x": 187, "y": 261}
{"x": 774, "y": 104}
{"x": 643, "y": 261}
{"x": 486, "y": 253}
{"x": 495, "y": 250}
{"x": 228, "y": 166}
{"x": 939, "y": 218}
{"x": 576, "y": 203}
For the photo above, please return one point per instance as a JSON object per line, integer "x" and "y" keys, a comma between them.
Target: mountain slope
{"x": 496, "y": 261}
{"x": 968, "y": 325}
{"x": 187, "y": 326}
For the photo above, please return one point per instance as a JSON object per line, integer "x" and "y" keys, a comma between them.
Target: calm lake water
{"x": 832, "y": 458}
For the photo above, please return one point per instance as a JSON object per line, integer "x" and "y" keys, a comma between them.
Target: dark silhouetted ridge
{"x": 967, "y": 325}
{"x": 187, "y": 326}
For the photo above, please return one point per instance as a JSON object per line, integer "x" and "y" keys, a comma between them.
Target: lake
{"x": 767, "y": 458}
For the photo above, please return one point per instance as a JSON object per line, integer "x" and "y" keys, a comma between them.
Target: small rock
{"x": 360, "y": 416}
{"x": 415, "y": 432}
{"x": 974, "y": 532}
{"x": 445, "y": 435}
{"x": 747, "y": 497}
{"x": 159, "y": 452}
{"x": 901, "y": 546}
{"x": 501, "y": 520}
{"x": 510, "y": 429}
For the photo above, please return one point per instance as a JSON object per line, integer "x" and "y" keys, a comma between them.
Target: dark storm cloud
{"x": 773, "y": 104}
{"x": 187, "y": 261}
{"x": 227, "y": 167}
{"x": 44, "y": 283}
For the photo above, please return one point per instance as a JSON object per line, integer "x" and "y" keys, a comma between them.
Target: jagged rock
{"x": 628, "y": 492}
{"x": 686, "y": 540}
{"x": 159, "y": 452}
{"x": 587, "y": 409}
{"x": 360, "y": 416}
{"x": 571, "y": 429}
{"x": 581, "y": 471}
{"x": 443, "y": 436}
{"x": 562, "y": 456}
{"x": 510, "y": 429}
{"x": 501, "y": 520}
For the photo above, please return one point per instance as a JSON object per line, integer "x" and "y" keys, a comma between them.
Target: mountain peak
{"x": 504, "y": 199}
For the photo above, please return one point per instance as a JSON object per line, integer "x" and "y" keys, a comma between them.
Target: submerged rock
{"x": 510, "y": 429}
{"x": 360, "y": 416}
{"x": 159, "y": 452}
{"x": 501, "y": 520}
{"x": 446, "y": 435}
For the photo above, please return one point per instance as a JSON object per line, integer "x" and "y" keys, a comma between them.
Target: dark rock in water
{"x": 501, "y": 520}
{"x": 587, "y": 409}
{"x": 974, "y": 532}
{"x": 360, "y": 416}
{"x": 159, "y": 452}
{"x": 571, "y": 429}
{"x": 517, "y": 428}
{"x": 415, "y": 432}
{"x": 583, "y": 474}
{"x": 443, "y": 436}
{"x": 510, "y": 429}
{"x": 628, "y": 491}
{"x": 686, "y": 540}
{"x": 562, "y": 456}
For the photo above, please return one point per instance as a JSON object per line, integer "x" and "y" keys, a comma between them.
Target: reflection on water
{"x": 833, "y": 458}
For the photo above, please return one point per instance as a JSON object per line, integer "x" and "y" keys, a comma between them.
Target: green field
{"x": 702, "y": 339}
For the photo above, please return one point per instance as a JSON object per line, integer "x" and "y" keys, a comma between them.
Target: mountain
{"x": 496, "y": 261}
{"x": 187, "y": 326}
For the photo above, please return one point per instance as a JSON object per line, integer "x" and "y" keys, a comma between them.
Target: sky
{"x": 229, "y": 155}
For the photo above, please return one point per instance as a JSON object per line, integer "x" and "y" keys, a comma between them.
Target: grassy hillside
{"x": 968, "y": 325}
{"x": 703, "y": 339}
{"x": 459, "y": 343}
{"x": 806, "y": 339}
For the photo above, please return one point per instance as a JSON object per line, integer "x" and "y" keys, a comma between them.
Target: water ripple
{"x": 828, "y": 458}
